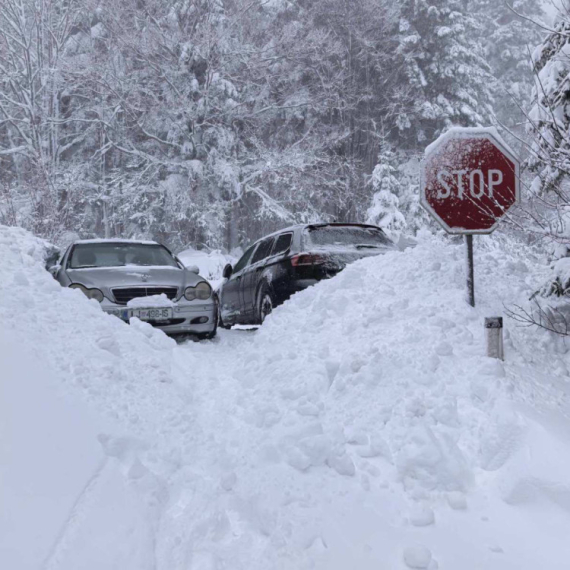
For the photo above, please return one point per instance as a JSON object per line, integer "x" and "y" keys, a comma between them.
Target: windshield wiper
{"x": 366, "y": 245}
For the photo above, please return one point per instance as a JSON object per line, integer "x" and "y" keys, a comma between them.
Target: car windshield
{"x": 353, "y": 236}
{"x": 119, "y": 255}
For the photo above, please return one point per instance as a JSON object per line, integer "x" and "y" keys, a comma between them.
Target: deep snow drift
{"x": 361, "y": 426}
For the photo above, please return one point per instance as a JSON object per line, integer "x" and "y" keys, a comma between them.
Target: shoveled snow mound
{"x": 361, "y": 426}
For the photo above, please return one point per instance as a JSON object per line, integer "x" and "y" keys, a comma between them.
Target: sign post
{"x": 470, "y": 270}
{"x": 469, "y": 180}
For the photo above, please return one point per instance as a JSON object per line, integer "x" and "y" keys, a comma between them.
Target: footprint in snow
{"x": 419, "y": 557}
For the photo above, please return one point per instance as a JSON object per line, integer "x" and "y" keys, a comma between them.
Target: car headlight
{"x": 89, "y": 293}
{"x": 202, "y": 291}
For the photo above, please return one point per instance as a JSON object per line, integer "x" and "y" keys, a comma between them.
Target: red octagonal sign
{"x": 469, "y": 179}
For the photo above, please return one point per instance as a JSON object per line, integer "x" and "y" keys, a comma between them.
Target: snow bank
{"x": 361, "y": 426}
{"x": 65, "y": 505}
{"x": 375, "y": 433}
{"x": 67, "y": 471}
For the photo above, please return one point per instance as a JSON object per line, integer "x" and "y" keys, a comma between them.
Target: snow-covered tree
{"x": 443, "y": 62}
{"x": 384, "y": 211}
{"x": 511, "y": 31}
{"x": 212, "y": 122}
{"x": 549, "y": 125}
{"x": 549, "y": 196}
{"x": 550, "y": 114}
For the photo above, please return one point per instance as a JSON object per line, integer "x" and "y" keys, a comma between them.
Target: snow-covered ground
{"x": 360, "y": 427}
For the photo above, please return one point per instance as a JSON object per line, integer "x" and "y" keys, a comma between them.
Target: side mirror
{"x": 193, "y": 269}
{"x": 228, "y": 270}
{"x": 54, "y": 269}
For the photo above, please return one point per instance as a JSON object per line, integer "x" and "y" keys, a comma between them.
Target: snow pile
{"x": 65, "y": 503}
{"x": 361, "y": 426}
{"x": 151, "y": 301}
{"x": 379, "y": 435}
{"x": 395, "y": 364}
{"x": 90, "y": 349}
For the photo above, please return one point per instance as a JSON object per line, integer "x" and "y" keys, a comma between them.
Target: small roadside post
{"x": 469, "y": 180}
{"x": 494, "y": 328}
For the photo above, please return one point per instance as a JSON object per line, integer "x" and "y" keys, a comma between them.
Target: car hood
{"x": 133, "y": 276}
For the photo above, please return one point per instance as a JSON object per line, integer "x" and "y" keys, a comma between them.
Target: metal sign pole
{"x": 470, "y": 270}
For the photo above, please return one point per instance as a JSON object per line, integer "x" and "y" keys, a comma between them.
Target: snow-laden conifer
{"x": 385, "y": 211}
{"x": 444, "y": 63}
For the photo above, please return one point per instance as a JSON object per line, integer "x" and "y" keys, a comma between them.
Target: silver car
{"x": 141, "y": 279}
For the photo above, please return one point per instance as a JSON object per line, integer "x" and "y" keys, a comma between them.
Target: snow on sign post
{"x": 469, "y": 180}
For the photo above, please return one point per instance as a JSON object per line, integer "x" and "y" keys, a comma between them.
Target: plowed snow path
{"x": 361, "y": 426}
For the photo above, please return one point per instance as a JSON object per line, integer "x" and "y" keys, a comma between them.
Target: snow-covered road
{"x": 361, "y": 426}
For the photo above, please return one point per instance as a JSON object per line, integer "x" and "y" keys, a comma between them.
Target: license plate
{"x": 162, "y": 314}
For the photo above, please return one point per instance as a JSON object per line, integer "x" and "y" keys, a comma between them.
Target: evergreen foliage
{"x": 202, "y": 122}
{"x": 385, "y": 211}
{"x": 444, "y": 64}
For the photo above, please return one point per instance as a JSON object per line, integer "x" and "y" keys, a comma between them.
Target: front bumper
{"x": 187, "y": 317}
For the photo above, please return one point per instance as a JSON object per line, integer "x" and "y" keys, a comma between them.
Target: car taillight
{"x": 307, "y": 259}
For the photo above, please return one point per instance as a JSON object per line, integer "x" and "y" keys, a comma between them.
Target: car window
{"x": 243, "y": 259}
{"x": 90, "y": 255}
{"x": 263, "y": 250}
{"x": 354, "y": 236}
{"x": 282, "y": 243}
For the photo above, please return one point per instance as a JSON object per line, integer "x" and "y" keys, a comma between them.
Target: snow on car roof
{"x": 315, "y": 225}
{"x": 115, "y": 240}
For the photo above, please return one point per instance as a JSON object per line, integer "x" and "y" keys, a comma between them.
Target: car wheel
{"x": 208, "y": 336}
{"x": 264, "y": 304}
{"x": 221, "y": 323}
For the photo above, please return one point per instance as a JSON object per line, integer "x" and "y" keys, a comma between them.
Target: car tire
{"x": 264, "y": 305}
{"x": 221, "y": 323}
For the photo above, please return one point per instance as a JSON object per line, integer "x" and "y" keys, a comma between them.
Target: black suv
{"x": 290, "y": 260}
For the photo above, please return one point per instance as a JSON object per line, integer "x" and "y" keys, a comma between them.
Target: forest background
{"x": 209, "y": 123}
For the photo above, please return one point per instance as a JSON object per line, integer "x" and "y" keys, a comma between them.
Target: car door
{"x": 251, "y": 278}
{"x": 276, "y": 270}
{"x": 231, "y": 301}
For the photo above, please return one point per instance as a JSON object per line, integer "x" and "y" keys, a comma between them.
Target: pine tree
{"x": 443, "y": 62}
{"x": 385, "y": 211}
{"x": 550, "y": 114}
{"x": 549, "y": 124}
{"x": 508, "y": 36}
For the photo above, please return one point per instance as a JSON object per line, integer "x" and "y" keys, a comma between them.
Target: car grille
{"x": 123, "y": 296}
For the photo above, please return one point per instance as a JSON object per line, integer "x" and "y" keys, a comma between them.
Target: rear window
{"x": 282, "y": 243}
{"x": 262, "y": 251}
{"x": 346, "y": 236}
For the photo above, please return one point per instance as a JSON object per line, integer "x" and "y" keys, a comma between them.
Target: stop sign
{"x": 469, "y": 180}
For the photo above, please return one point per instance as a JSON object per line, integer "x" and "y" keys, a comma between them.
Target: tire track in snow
{"x": 75, "y": 518}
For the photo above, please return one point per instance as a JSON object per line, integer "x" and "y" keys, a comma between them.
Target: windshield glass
{"x": 347, "y": 236}
{"x": 119, "y": 255}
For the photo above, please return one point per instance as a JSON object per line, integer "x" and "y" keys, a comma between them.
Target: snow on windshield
{"x": 119, "y": 255}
